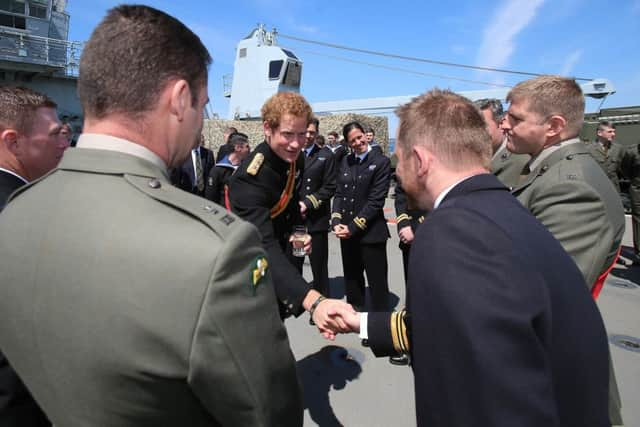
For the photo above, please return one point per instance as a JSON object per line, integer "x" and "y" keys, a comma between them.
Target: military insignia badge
{"x": 255, "y": 164}
{"x": 372, "y": 167}
{"x": 210, "y": 181}
{"x": 258, "y": 272}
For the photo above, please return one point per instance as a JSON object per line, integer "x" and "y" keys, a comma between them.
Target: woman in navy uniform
{"x": 358, "y": 220}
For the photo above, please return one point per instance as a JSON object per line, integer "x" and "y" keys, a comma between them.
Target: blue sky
{"x": 582, "y": 38}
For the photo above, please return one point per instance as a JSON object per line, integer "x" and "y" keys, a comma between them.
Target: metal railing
{"x": 61, "y": 54}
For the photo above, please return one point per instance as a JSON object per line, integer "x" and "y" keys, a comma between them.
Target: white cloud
{"x": 499, "y": 36}
{"x": 570, "y": 62}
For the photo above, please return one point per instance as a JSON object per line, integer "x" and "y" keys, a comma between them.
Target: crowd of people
{"x": 144, "y": 281}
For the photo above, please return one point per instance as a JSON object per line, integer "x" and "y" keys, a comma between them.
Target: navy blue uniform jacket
{"x": 503, "y": 330}
{"x": 317, "y": 187}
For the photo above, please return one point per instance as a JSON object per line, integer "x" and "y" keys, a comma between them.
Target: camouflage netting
{"x": 213, "y": 129}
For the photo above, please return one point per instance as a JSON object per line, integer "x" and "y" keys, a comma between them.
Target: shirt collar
{"x": 446, "y": 191}
{"x": 112, "y": 143}
{"x": 546, "y": 152}
{"x": 363, "y": 155}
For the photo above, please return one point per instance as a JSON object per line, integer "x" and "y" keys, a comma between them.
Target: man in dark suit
{"x": 226, "y": 148}
{"x": 316, "y": 190}
{"x": 192, "y": 174}
{"x": 31, "y": 144}
{"x": 501, "y": 328}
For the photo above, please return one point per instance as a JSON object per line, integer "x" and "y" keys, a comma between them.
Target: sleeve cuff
{"x": 364, "y": 331}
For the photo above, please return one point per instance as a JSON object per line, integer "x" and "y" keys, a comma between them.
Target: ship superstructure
{"x": 35, "y": 52}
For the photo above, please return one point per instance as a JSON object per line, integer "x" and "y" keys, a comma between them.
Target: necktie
{"x": 198, "y": 171}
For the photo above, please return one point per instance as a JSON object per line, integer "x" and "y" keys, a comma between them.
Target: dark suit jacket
{"x": 184, "y": 176}
{"x": 252, "y": 196}
{"x": 339, "y": 153}
{"x": 17, "y": 407}
{"x": 360, "y": 194}
{"x": 503, "y": 331}
{"x": 318, "y": 187}
{"x": 8, "y": 184}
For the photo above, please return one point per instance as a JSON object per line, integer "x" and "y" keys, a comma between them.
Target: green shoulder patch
{"x": 258, "y": 272}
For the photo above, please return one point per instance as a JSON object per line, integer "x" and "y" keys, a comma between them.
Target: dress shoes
{"x": 365, "y": 342}
{"x": 399, "y": 360}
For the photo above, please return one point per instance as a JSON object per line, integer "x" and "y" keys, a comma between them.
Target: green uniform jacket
{"x": 570, "y": 194}
{"x": 573, "y": 198}
{"x": 610, "y": 160}
{"x": 125, "y": 301}
{"x": 507, "y": 166}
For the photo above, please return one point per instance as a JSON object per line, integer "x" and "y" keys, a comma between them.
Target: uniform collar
{"x": 548, "y": 151}
{"x": 110, "y": 161}
{"x": 112, "y": 143}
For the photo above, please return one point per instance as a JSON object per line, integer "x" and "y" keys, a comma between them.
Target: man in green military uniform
{"x": 563, "y": 186}
{"x": 607, "y": 153}
{"x": 124, "y": 300}
{"x": 505, "y": 165}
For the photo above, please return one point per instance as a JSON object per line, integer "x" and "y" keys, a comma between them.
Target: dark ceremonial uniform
{"x": 406, "y": 216}
{"x": 216, "y": 181}
{"x": 17, "y": 407}
{"x": 361, "y": 189}
{"x": 502, "y": 329}
{"x": 263, "y": 191}
{"x": 316, "y": 190}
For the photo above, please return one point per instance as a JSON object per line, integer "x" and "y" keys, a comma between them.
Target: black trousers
{"x": 406, "y": 251}
{"x": 371, "y": 258}
{"x": 319, "y": 259}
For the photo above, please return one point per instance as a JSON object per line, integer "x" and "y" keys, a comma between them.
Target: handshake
{"x": 333, "y": 316}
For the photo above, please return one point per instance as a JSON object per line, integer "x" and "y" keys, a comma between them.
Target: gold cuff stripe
{"x": 314, "y": 201}
{"x": 394, "y": 332}
{"x": 361, "y": 223}
{"x": 404, "y": 339}
{"x": 336, "y": 215}
{"x": 403, "y": 217}
{"x": 421, "y": 219}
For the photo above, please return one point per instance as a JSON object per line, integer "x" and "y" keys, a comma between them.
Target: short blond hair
{"x": 18, "y": 107}
{"x": 283, "y": 103}
{"x": 550, "y": 96}
{"x": 449, "y": 125}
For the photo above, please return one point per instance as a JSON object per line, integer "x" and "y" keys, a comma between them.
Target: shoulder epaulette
{"x": 255, "y": 164}
{"x": 212, "y": 215}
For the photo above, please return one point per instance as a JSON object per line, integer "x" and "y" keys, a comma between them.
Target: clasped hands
{"x": 333, "y": 316}
{"x": 342, "y": 231}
